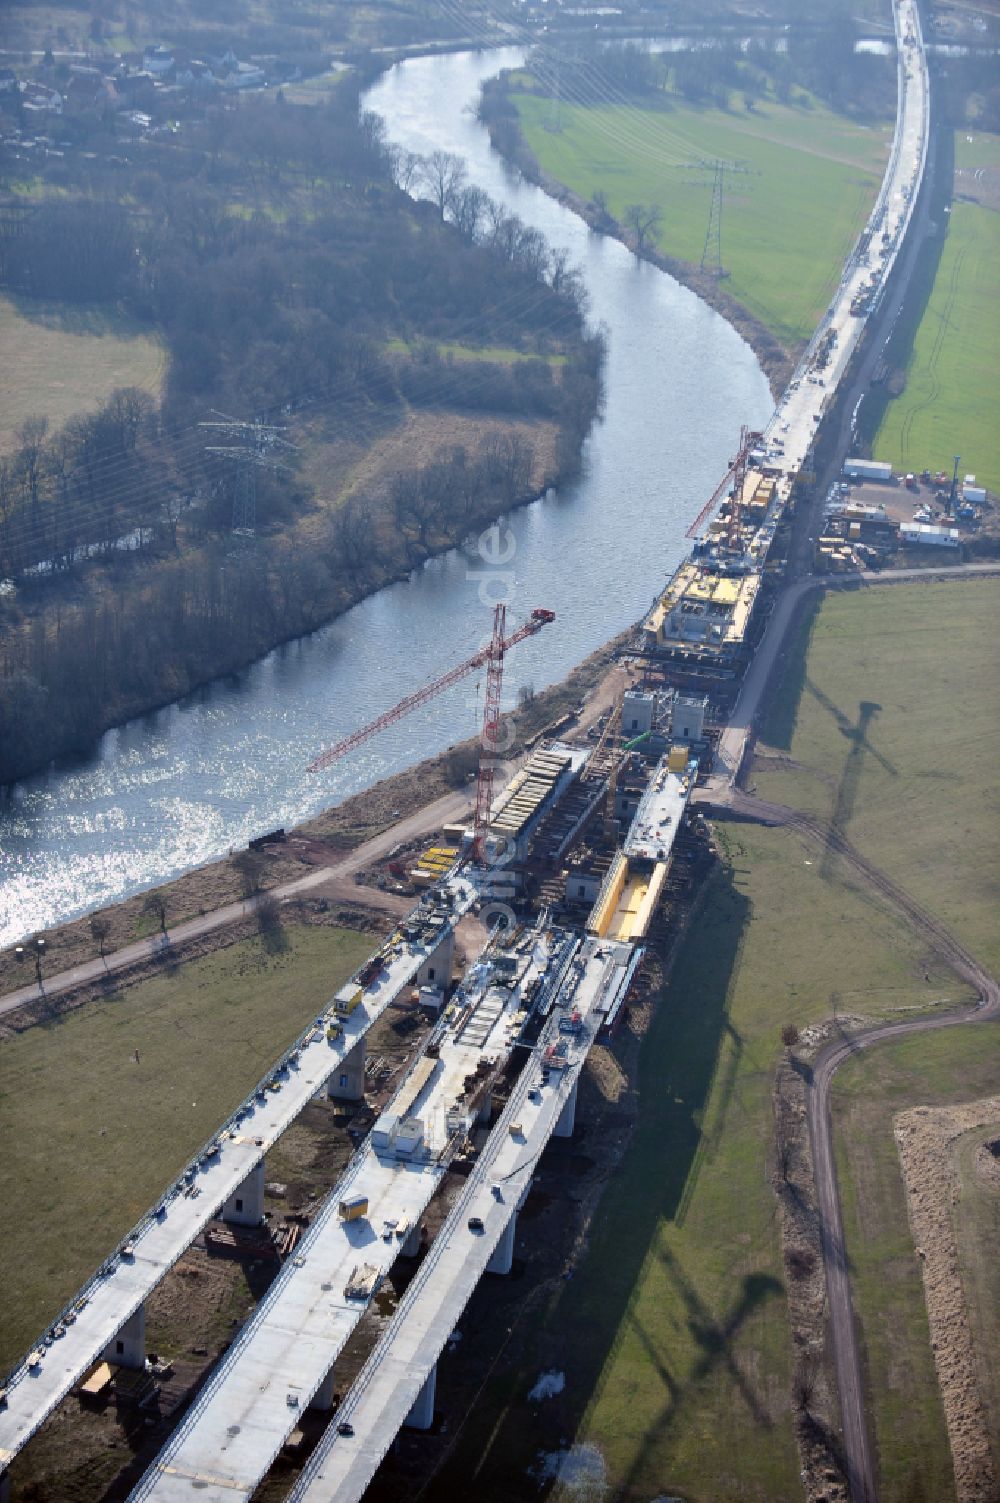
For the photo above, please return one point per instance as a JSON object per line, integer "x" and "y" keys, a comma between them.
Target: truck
{"x": 354, "y": 1208}
{"x": 370, "y": 970}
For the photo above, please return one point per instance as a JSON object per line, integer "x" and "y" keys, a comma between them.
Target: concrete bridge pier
{"x": 347, "y": 1083}
{"x": 411, "y": 1246}
{"x": 485, "y": 1109}
{"x": 322, "y": 1399}
{"x": 245, "y": 1207}
{"x": 128, "y": 1349}
{"x": 437, "y": 968}
{"x": 421, "y": 1415}
{"x": 567, "y": 1117}
{"x": 503, "y": 1254}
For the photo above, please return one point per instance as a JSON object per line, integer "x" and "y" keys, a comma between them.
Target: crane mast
{"x": 736, "y": 472}
{"x": 491, "y": 656}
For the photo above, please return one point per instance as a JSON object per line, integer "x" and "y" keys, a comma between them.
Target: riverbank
{"x": 799, "y": 182}
{"x": 277, "y": 588}
{"x": 318, "y": 842}
{"x": 776, "y": 361}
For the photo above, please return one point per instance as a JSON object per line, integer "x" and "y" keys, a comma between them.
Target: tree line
{"x": 818, "y": 57}
{"x": 68, "y": 674}
{"x": 276, "y": 252}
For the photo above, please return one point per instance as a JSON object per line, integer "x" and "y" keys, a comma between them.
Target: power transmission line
{"x": 250, "y": 455}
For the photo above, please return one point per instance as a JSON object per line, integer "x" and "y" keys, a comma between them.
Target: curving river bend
{"x": 180, "y": 786}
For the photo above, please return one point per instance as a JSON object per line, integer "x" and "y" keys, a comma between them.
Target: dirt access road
{"x": 338, "y": 877}
{"x": 858, "y": 1453}
{"x": 739, "y": 731}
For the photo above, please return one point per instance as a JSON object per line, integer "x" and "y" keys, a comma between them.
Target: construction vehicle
{"x": 373, "y": 968}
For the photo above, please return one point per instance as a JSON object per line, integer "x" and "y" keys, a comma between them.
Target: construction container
{"x": 354, "y": 1208}
{"x": 867, "y": 469}
{"x": 677, "y": 760}
{"x": 409, "y": 1136}
{"x": 347, "y": 999}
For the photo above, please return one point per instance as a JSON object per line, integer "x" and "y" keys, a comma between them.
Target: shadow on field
{"x": 577, "y": 1328}
{"x": 939, "y": 178}
{"x": 782, "y": 710}
{"x": 861, "y": 745}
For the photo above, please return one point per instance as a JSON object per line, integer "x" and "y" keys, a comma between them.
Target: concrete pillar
{"x": 436, "y": 969}
{"x": 322, "y": 1399}
{"x": 245, "y": 1207}
{"x": 421, "y": 1416}
{"x": 411, "y": 1247}
{"x": 503, "y": 1255}
{"x": 128, "y": 1349}
{"x": 347, "y": 1083}
{"x": 486, "y": 1109}
{"x": 567, "y": 1117}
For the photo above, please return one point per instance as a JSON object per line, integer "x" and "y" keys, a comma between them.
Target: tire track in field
{"x": 944, "y": 325}
{"x": 858, "y": 1450}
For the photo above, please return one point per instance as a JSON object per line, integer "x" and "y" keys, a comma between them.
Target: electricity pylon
{"x": 258, "y": 437}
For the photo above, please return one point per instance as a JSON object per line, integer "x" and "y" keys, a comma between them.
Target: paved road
{"x": 445, "y": 810}
{"x": 847, "y": 1363}
{"x": 733, "y": 740}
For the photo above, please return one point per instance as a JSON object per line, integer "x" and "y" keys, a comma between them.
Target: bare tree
{"x": 156, "y": 904}
{"x": 100, "y": 928}
{"x": 405, "y": 166}
{"x": 645, "y": 222}
{"x": 443, "y": 175}
{"x": 469, "y": 209}
{"x": 31, "y": 438}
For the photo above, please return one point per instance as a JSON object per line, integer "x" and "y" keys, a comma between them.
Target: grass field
{"x": 806, "y": 181}
{"x": 952, "y": 394}
{"x": 58, "y": 362}
{"x": 495, "y": 354}
{"x": 92, "y": 1137}
{"x": 891, "y": 724}
{"x": 953, "y": 1066}
{"x": 673, "y": 1333}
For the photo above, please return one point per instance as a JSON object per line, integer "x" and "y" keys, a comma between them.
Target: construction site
{"x": 579, "y": 851}
{"x": 565, "y": 868}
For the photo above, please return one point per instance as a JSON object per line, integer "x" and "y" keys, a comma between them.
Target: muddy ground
{"x": 923, "y": 1138}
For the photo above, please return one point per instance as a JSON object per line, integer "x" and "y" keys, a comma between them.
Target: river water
{"x": 181, "y": 786}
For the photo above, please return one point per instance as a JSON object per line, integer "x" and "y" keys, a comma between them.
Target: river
{"x": 183, "y": 785}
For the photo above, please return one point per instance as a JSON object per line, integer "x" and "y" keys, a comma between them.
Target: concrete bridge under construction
{"x": 522, "y": 1021}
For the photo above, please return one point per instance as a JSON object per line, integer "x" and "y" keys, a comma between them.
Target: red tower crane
{"x": 737, "y": 472}
{"x": 492, "y": 656}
